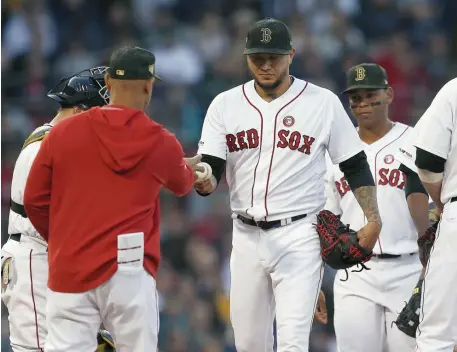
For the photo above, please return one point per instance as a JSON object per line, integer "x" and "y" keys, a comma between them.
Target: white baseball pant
{"x": 278, "y": 271}
{"x": 437, "y": 330}
{"x": 25, "y": 294}
{"x": 369, "y": 301}
{"x": 126, "y": 304}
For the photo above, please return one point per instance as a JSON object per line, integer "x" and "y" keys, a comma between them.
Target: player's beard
{"x": 269, "y": 87}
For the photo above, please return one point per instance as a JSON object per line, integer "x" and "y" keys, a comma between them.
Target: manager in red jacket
{"x": 93, "y": 195}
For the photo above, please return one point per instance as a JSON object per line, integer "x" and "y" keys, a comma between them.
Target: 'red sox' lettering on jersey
{"x": 275, "y": 151}
{"x": 295, "y": 141}
{"x": 249, "y": 139}
{"x": 386, "y": 177}
{"x": 390, "y": 184}
{"x": 242, "y": 140}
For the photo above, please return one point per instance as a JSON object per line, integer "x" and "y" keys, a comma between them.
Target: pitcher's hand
{"x": 206, "y": 186}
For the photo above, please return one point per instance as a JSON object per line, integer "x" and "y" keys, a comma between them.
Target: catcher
{"x": 24, "y": 262}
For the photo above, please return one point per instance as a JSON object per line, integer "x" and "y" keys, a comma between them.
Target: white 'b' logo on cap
{"x": 266, "y": 35}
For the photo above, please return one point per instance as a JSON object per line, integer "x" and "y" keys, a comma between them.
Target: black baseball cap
{"x": 132, "y": 63}
{"x": 269, "y": 36}
{"x": 366, "y": 76}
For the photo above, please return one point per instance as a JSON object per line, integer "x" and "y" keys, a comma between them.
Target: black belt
{"x": 16, "y": 237}
{"x": 267, "y": 225}
{"x": 453, "y": 199}
{"x": 390, "y": 256}
{"x": 18, "y": 208}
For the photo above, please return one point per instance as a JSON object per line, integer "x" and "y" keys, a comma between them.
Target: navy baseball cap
{"x": 132, "y": 63}
{"x": 269, "y": 36}
{"x": 366, "y": 76}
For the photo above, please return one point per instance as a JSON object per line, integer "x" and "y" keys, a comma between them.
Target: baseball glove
{"x": 105, "y": 341}
{"x": 408, "y": 319}
{"x": 340, "y": 247}
{"x": 425, "y": 243}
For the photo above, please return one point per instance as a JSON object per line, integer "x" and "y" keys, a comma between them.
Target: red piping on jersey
{"x": 260, "y": 149}
{"x": 376, "y": 171}
{"x": 33, "y": 301}
{"x": 274, "y": 147}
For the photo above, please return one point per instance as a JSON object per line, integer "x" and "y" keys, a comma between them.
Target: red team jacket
{"x": 98, "y": 175}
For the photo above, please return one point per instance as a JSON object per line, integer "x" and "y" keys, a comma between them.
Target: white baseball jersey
{"x": 406, "y": 154}
{"x": 437, "y": 135}
{"x": 18, "y": 224}
{"x": 275, "y": 151}
{"x": 397, "y": 236}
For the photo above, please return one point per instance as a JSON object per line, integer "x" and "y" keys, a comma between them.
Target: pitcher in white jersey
{"x": 272, "y": 134}
{"x": 436, "y": 161}
{"x": 368, "y": 302}
{"x": 24, "y": 256}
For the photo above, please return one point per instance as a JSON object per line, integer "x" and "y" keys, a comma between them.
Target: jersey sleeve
{"x": 332, "y": 202}
{"x": 22, "y": 170}
{"x": 343, "y": 141}
{"x": 406, "y": 154}
{"x": 213, "y": 137}
{"x": 437, "y": 124}
{"x": 37, "y": 194}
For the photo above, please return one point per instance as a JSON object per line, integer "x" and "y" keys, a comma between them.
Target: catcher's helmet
{"x": 85, "y": 89}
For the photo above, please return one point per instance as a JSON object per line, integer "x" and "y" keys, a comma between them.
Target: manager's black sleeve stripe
{"x": 429, "y": 161}
{"x": 357, "y": 171}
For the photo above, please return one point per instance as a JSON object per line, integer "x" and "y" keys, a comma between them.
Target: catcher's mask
{"x": 85, "y": 89}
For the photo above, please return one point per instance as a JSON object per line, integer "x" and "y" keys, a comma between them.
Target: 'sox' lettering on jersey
{"x": 250, "y": 139}
{"x": 393, "y": 178}
{"x": 387, "y": 177}
{"x": 242, "y": 140}
{"x": 294, "y": 141}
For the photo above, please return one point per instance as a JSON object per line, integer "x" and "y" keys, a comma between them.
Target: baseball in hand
{"x": 206, "y": 174}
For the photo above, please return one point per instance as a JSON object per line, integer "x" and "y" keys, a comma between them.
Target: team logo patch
{"x": 288, "y": 121}
{"x": 389, "y": 159}
{"x": 266, "y": 35}
{"x": 359, "y": 73}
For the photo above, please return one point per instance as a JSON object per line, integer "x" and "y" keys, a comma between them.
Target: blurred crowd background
{"x": 198, "y": 46}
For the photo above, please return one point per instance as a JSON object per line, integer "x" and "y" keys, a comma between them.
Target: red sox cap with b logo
{"x": 269, "y": 36}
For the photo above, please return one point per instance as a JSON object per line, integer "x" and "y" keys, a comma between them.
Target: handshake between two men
{"x": 205, "y": 182}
